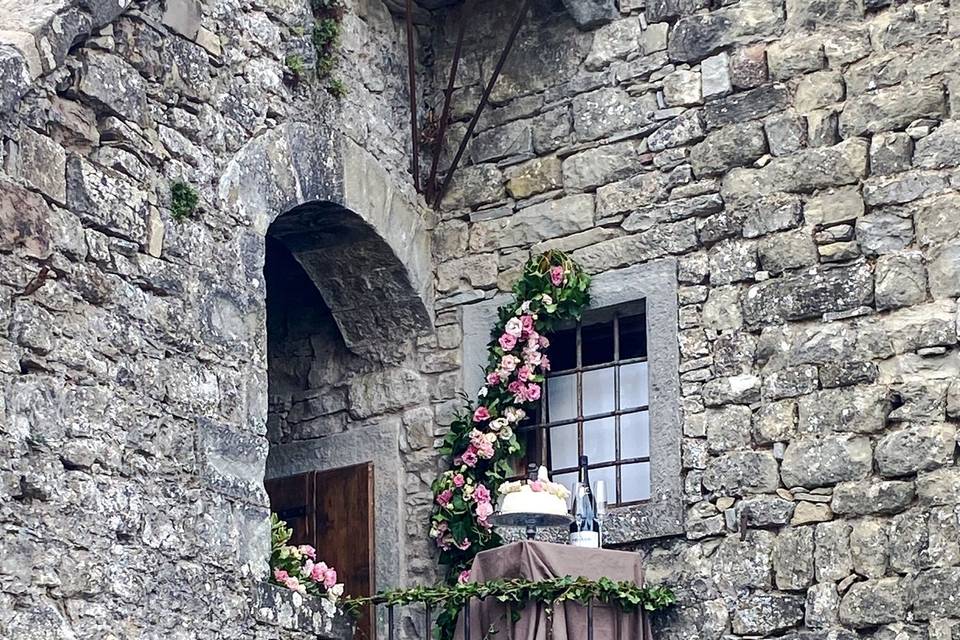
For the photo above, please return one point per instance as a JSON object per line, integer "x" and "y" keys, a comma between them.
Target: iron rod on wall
{"x": 414, "y": 121}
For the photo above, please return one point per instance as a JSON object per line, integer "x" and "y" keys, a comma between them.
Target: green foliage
{"x": 295, "y": 64}
{"x": 337, "y": 88}
{"x": 326, "y": 34}
{"x": 517, "y": 593}
{"x": 183, "y": 200}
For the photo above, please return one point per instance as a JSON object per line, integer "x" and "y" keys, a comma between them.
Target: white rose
{"x": 498, "y": 424}
{"x": 506, "y": 433}
{"x": 546, "y": 299}
{"x": 514, "y": 327}
{"x": 490, "y": 437}
{"x": 482, "y": 393}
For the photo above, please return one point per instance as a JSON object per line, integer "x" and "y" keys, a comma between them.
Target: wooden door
{"x": 333, "y": 511}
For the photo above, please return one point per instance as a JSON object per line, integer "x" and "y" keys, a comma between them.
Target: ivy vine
{"x": 482, "y": 443}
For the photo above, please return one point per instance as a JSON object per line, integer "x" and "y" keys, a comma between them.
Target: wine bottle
{"x": 600, "y": 495}
{"x": 585, "y": 530}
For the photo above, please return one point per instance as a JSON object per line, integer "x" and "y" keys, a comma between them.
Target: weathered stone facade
{"x": 797, "y": 160}
{"x": 800, "y": 161}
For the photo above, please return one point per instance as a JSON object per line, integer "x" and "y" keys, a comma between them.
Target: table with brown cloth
{"x": 543, "y": 560}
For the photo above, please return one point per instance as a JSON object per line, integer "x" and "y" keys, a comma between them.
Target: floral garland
{"x": 482, "y": 441}
{"x": 296, "y": 567}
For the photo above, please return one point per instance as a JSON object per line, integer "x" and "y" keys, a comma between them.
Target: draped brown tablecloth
{"x": 540, "y": 560}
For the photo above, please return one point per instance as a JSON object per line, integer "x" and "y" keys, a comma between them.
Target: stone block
{"x": 940, "y": 149}
{"x": 884, "y": 232}
{"x": 728, "y": 428}
{"x": 552, "y": 129}
{"x": 741, "y": 389}
{"x": 647, "y": 245}
{"x": 654, "y": 38}
{"x": 793, "y": 559}
{"x": 805, "y": 171}
{"x": 716, "y": 76}
{"x": 934, "y": 593}
{"x": 682, "y": 88}
{"x": 732, "y": 261}
{"x": 921, "y": 447}
{"x": 590, "y": 13}
{"x": 789, "y": 57}
{"x": 775, "y": 422}
{"x": 107, "y": 199}
{"x": 868, "y": 548}
{"x": 932, "y": 219}
{"x": 670, "y": 211}
{"x": 613, "y": 41}
{"x": 842, "y": 374}
{"x": 903, "y": 187}
{"x": 602, "y": 165}
{"x": 511, "y": 139}
{"x": 818, "y": 90}
{"x": 772, "y": 213}
{"x": 940, "y": 486}
{"x": 765, "y": 511}
{"x": 682, "y": 130}
{"x": 762, "y": 613}
{"x": 901, "y": 280}
{"x": 474, "y": 186}
{"x": 943, "y": 268}
{"x": 824, "y": 461}
{"x": 473, "y": 272}
{"x": 742, "y": 473}
{"x": 823, "y": 128}
{"x": 385, "y": 391}
{"x": 744, "y": 563}
{"x": 534, "y": 177}
{"x": 183, "y": 17}
{"x": 867, "y": 497}
{"x": 808, "y": 294}
{"x": 634, "y": 194}
{"x": 732, "y": 146}
{"x": 873, "y": 602}
{"x": 114, "y": 84}
{"x": 845, "y": 410}
{"x": 786, "y": 133}
{"x": 721, "y": 310}
{"x": 25, "y": 223}
{"x": 809, "y": 14}
{"x": 822, "y": 607}
{"x": 536, "y": 223}
{"x": 891, "y": 108}
{"x": 890, "y": 152}
{"x": 748, "y": 66}
{"x": 697, "y": 36}
{"x": 785, "y": 251}
{"x": 748, "y": 105}
{"x": 810, "y": 512}
{"x": 601, "y": 113}
{"x": 40, "y": 162}
{"x": 832, "y": 556}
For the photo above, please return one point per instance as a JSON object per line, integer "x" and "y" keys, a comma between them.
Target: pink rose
{"x": 484, "y": 510}
{"x": 544, "y": 342}
{"x": 507, "y": 341}
{"x": 481, "y": 494}
{"x": 527, "y": 323}
{"x": 308, "y": 551}
{"x": 481, "y": 414}
{"x": 445, "y": 497}
{"x": 533, "y": 391}
{"x": 524, "y": 373}
{"x": 464, "y": 576}
{"x": 545, "y": 363}
{"x": 516, "y": 387}
{"x": 463, "y": 546}
{"x": 458, "y": 480}
{"x": 536, "y": 486}
{"x": 330, "y": 578}
{"x": 493, "y": 378}
{"x": 556, "y": 276}
{"x": 470, "y": 457}
{"x": 509, "y": 362}
{"x": 280, "y": 575}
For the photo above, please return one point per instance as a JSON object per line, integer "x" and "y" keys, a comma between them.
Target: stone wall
{"x": 133, "y": 385}
{"x": 800, "y": 160}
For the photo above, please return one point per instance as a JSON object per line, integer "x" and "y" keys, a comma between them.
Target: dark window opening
{"x": 596, "y": 403}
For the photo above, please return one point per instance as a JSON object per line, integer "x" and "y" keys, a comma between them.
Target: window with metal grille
{"x": 596, "y": 403}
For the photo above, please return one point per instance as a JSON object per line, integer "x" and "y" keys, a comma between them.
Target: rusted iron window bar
{"x": 544, "y": 427}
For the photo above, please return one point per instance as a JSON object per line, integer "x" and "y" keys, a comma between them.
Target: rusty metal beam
{"x": 414, "y": 120}
{"x": 433, "y": 195}
{"x": 517, "y": 24}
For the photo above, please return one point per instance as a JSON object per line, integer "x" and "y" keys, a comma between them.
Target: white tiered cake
{"x": 534, "y": 496}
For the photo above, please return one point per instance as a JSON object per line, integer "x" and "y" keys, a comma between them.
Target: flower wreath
{"x": 482, "y": 441}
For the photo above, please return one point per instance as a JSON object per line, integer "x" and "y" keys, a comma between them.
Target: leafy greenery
{"x": 183, "y": 200}
{"x": 449, "y": 600}
{"x": 326, "y": 33}
{"x": 296, "y": 66}
{"x": 549, "y": 300}
{"x": 337, "y": 88}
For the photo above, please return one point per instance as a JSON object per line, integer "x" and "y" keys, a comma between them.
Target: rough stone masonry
{"x": 798, "y": 158}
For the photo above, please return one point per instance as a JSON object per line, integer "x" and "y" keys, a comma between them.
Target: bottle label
{"x": 589, "y": 539}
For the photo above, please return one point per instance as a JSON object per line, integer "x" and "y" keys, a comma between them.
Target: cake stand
{"x": 532, "y": 521}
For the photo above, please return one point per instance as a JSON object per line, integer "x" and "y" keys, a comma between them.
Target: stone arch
{"x": 357, "y": 234}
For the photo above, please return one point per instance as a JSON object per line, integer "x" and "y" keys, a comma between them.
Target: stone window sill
{"x": 290, "y": 610}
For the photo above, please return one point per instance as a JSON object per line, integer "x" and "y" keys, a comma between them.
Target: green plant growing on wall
{"x": 325, "y": 36}
{"x": 183, "y": 200}
{"x": 295, "y": 69}
{"x": 337, "y": 88}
